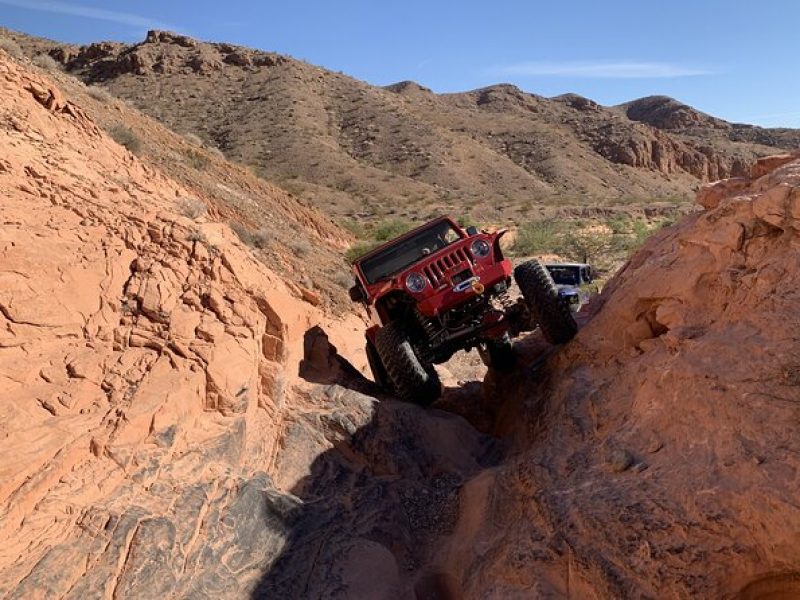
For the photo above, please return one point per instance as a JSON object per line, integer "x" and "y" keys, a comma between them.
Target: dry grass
{"x": 260, "y": 238}
{"x": 125, "y": 136}
{"x": 192, "y": 208}
{"x": 47, "y": 62}
{"x": 193, "y": 139}
{"x": 100, "y": 94}
{"x": 11, "y": 47}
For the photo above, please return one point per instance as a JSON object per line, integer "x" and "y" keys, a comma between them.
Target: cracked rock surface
{"x": 179, "y": 421}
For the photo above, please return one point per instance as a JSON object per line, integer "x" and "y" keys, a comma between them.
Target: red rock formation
{"x": 659, "y": 456}
{"x": 142, "y": 356}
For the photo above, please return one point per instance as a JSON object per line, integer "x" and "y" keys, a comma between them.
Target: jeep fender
{"x": 496, "y": 242}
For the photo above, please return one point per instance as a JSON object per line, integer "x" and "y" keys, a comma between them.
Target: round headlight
{"x": 415, "y": 283}
{"x": 480, "y": 248}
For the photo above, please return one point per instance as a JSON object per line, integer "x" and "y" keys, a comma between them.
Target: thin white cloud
{"x": 89, "y": 12}
{"x": 622, "y": 69}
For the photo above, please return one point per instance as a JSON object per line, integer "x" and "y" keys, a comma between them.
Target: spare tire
{"x": 412, "y": 380}
{"x": 549, "y": 310}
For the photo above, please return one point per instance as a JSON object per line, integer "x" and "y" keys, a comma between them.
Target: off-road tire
{"x": 549, "y": 310}
{"x": 498, "y": 354}
{"x": 379, "y": 375}
{"x": 412, "y": 380}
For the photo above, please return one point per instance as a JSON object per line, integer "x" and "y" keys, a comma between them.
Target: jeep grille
{"x": 437, "y": 270}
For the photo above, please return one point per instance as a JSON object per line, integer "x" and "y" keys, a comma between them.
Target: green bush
{"x": 619, "y": 225}
{"x": 585, "y": 246}
{"x": 538, "y": 237}
{"x": 629, "y": 243}
{"x": 358, "y": 249}
{"x": 466, "y": 220}
{"x": 390, "y": 229}
{"x": 356, "y": 228}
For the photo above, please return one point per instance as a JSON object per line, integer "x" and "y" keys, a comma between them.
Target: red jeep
{"x": 438, "y": 289}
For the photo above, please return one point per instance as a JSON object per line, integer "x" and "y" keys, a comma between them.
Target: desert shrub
{"x": 343, "y": 279}
{"x": 390, "y": 229}
{"x": 259, "y": 238}
{"x": 584, "y": 246}
{"x": 358, "y": 249}
{"x": 619, "y": 225}
{"x": 216, "y": 153}
{"x": 356, "y": 228}
{"x": 538, "y": 237}
{"x": 193, "y": 139}
{"x": 99, "y": 94}
{"x": 46, "y": 62}
{"x": 300, "y": 246}
{"x": 124, "y": 136}
{"x": 466, "y": 220}
{"x": 11, "y": 47}
{"x": 192, "y": 208}
{"x": 197, "y": 159}
{"x": 634, "y": 240}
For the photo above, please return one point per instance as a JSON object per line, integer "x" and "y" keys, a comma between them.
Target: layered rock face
{"x": 175, "y": 419}
{"x": 660, "y": 455}
{"x": 142, "y": 369}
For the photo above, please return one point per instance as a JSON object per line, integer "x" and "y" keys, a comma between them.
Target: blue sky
{"x": 736, "y": 59}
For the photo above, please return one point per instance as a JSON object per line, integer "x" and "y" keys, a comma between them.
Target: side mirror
{"x": 472, "y": 230}
{"x": 356, "y": 293}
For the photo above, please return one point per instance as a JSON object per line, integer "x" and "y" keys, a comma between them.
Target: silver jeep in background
{"x": 571, "y": 280}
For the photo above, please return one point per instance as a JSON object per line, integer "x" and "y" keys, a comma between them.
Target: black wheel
{"x": 549, "y": 310}
{"x": 412, "y": 380}
{"x": 379, "y": 374}
{"x": 498, "y": 354}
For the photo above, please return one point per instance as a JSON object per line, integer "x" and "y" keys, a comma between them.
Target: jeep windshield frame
{"x": 565, "y": 274}
{"x": 408, "y": 249}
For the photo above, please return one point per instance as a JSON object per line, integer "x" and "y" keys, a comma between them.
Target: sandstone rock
{"x": 686, "y": 358}
{"x": 710, "y": 195}
{"x": 768, "y": 164}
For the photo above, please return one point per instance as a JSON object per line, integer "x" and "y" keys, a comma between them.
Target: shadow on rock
{"x": 371, "y": 507}
{"x": 323, "y": 364}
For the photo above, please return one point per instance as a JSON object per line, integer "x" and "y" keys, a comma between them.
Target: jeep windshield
{"x": 565, "y": 275}
{"x": 406, "y": 252}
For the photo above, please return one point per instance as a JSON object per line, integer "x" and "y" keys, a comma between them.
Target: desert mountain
{"x": 355, "y": 149}
{"x": 179, "y": 419}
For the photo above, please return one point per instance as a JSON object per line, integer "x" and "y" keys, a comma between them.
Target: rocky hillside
{"x": 180, "y": 418}
{"x": 358, "y": 150}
